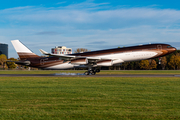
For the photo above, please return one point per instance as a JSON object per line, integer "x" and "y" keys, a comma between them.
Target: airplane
{"x": 91, "y": 60}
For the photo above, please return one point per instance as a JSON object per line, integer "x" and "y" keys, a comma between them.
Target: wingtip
{"x": 42, "y": 51}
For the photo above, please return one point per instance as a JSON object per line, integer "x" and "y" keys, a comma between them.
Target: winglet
{"x": 44, "y": 52}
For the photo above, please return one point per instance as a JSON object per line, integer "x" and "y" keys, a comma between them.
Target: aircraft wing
{"x": 57, "y": 55}
{"x": 87, "y": 60}
{"x": 64, "y": 56}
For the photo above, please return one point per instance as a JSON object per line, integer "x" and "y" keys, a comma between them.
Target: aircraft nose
{"x": 171, "y": 50}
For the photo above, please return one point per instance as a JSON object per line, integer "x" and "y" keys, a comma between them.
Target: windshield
{"x": 169, "y": 46}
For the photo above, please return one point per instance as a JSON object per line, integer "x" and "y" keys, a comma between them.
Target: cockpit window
{"x": 169, "y": 46}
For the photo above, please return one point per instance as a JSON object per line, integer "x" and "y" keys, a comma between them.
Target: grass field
{"x": 82, "y": 71}
{"x": 23, "y": 98}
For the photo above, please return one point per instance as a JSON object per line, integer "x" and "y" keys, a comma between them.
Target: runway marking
{"x": 69, "y": 74}
{"x": 177, "y": 75}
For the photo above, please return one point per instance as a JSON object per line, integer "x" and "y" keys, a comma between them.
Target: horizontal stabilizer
{"x": 20, "y": 62}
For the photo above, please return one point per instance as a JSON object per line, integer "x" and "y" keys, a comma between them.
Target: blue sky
{"x": 91, "y": 24}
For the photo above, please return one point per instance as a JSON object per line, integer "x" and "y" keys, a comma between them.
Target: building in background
{"x": 61, "y": 50}
{"x": 4, "y": 49}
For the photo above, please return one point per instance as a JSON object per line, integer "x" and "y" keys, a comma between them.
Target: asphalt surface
{"x": 81, "y": 75}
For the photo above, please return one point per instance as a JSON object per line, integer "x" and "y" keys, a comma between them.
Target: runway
{"x": 80, "y": 75}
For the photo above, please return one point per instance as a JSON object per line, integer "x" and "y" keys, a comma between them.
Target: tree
{"x": 175, "y": 61}
{"x": 125, "y": 64}
{"x": 11, "y": 65}
{"x": 172, "y": 62}
{"x": 3, "y": 60}
{"x": 144, "y": 64}
{"x": 80, "y": 50}
{"x": 163, "y": 62}
{"x": 152, "y": 64}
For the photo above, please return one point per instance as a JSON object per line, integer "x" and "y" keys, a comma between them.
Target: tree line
{"x": 5, "y": 64}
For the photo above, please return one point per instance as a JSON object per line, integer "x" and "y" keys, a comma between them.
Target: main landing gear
{"x": 92, "y": 71}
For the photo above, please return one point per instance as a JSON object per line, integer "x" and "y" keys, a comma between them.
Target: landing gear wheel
{"x": 97, "y": 70}
{"x": 86, "y": 73}
{"x": 92, "y": 72}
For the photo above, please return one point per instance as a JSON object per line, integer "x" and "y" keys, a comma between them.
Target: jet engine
{"x": 79, "y": 61}
{"x": 104, "y": 63}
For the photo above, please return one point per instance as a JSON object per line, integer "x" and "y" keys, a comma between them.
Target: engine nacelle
{"x": 79, "y": 61}
{"x": 104, "y": 63}
{"x": 117, "y": 61}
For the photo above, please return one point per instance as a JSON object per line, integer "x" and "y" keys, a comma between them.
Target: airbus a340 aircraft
{"x": 91, "y": 60}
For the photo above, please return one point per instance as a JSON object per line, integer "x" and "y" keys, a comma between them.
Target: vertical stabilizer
{"x": 23, "y": 52}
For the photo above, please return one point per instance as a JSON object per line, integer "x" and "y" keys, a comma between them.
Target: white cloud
{"x": 110, "y": 18}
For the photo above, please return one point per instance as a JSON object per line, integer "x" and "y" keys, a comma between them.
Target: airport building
{"x": 61, "y": 50}
{"x": 4, "y": 49}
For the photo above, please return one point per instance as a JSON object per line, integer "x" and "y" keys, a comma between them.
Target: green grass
{"x": 23, "y": 98}
{"x": 82, "y": 71}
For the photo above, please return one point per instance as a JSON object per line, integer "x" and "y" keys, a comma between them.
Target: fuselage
{"x": 107, "y": 57}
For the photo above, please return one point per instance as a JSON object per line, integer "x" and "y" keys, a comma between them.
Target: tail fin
{"x": 23, "y": 52}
